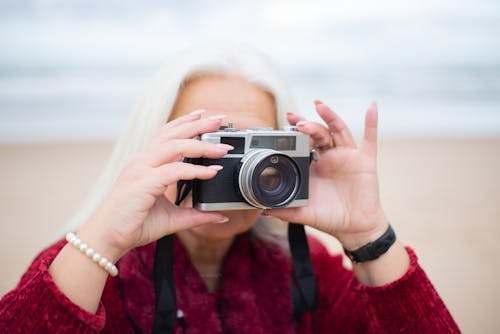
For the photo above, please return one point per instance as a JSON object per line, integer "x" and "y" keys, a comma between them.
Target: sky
{"x": 294, "y": 32}
{"x": 433, "y": 64}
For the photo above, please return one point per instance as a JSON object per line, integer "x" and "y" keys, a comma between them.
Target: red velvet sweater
{"x": 254, "y": 298}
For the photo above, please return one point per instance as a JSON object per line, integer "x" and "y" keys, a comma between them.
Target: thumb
{"x": 186, "y": 218}
{"x": 371, "y": 129}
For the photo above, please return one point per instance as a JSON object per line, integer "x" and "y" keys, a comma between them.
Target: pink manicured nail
{"x": 217, "y": 117}
{"x": 318, "y": 102}
{"x": 215, "y": 167}
{"x": 222, "y": 220}
{"x": 225, "y": 147}
{"x": 197, "y": 112}
{"x": 301, "y": 123}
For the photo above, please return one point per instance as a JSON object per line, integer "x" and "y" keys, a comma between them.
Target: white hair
{"x": 155, "y": 107}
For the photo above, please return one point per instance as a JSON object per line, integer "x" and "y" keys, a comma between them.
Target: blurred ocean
{"x": 74, "y": 69}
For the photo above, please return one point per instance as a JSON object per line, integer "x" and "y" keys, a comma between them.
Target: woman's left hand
{"x": 344, "y": 198}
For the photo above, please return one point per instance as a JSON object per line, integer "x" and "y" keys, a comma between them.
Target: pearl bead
{"x": 90, "y": 252}
{"x": 97, "y": 257}
{"x": 100, "y": 260}
{"x": 103, "y": 262}
{"x": 114, "y": 271}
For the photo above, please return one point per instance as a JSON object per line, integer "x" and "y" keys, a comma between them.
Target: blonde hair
{"x": 155, "y": 107}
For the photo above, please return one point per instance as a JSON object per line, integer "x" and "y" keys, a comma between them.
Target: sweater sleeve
{"x": 36, "y": 305}
{"x": 407, "y": 305}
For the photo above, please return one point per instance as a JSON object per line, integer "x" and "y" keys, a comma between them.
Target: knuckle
{"x": 132, "y": 172}
{"x": 176, "y": 166}
{"x": 176, "y": 143}
{"x": 175, "y": 169}
{"x": 167, "y": 147}
{"x": 171, "y": 151}
{"x": 181, "y": 145}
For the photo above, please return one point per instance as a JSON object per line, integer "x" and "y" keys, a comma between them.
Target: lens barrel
{"x": 268, "y": 178}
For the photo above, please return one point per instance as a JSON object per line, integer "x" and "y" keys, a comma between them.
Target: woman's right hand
{"x": 136, "y": 210}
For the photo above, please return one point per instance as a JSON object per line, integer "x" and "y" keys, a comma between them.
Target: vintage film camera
{"x": 267, "y": 169}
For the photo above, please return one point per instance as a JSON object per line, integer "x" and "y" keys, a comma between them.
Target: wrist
{"x": 388, "y": 268}
{"x": 355, "y": 240}
{"x": 101, "y": 241}
{"x": 374, "y": 249}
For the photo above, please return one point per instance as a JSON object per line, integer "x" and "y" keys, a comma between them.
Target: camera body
{"x": 267, "y": 169}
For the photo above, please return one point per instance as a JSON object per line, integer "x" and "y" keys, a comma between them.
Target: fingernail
{"x": 301, "y": 123}
{"x": 217, "y": 117}
{"x": 215, "y": 167}
{"x": 223, "y": 220}
{"x": 225, "y": 147}
{"x": 197, "y": 112}
{"x": 318, "y": 102}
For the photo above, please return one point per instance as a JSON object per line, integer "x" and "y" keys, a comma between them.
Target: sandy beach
{"x": 442, "y": 197}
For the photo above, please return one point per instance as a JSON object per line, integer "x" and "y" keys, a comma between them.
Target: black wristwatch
{"x": 373, "y": 250}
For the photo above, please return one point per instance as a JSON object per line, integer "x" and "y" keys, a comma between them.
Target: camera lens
{"x": 268, "y": 179}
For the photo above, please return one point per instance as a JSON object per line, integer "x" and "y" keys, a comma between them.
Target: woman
{"x": 232, "y": 272}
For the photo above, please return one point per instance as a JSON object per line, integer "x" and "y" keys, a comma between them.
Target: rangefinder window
{"x": 280, "y": 143}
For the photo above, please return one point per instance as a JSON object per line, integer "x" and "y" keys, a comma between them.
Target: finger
{"x": 175, "y": 171}
{"x": 194, "y": 115}
{"x": 371, "y": 128}
{"x": 166, "y": 128}
{"x": 320, "y": 135}
{"x": 190, "y": 129}
{"x": 155, "y": 181}
{"x": 293, "y": 118}
{"x": 177, "y": 149}
{"x": 341, "y": 133}
{"x": 186, "y": 218}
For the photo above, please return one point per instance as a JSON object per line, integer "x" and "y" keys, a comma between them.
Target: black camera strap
{"x": 163, "y": 274}
{"x": 303, "y": 282}
{"x": 304, "y": 289}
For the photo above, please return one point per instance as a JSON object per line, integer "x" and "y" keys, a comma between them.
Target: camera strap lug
{"x": 313, "y": 156}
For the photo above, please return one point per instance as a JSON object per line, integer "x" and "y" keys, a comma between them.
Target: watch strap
{"x": 373, "y": 250}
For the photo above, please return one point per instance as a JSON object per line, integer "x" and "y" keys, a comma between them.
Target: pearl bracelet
{"x": 92, "y": 254}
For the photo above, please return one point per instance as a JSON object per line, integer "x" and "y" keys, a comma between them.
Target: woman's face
{"x": 245, "y": 105}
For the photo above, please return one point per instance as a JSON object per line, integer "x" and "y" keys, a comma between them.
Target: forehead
{"x": 244, "y": 103}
